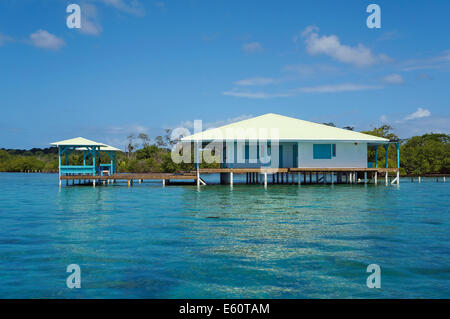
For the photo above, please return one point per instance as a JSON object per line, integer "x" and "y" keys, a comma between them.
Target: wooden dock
{"x": 253, "y": 176}
{"x": 295, "y": 175}
{"x": 130, "y": 178}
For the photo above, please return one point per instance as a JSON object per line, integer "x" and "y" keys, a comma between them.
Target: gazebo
{"x": 91, "y": 157}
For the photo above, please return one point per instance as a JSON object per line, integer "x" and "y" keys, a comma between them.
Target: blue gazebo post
{"x": 93, "y": 162}
{"x": 386, "y": 175}
{"x": 386, "y": 147}
{"x": 114, "y": 163}
{"x": 376, "y": 156}
{"x": 59, "y": 165}
{"x": 398, "y": 154}
{"x": 397, "y": 145}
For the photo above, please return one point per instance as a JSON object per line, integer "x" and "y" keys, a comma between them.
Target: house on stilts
{"x": 290, "y": 150}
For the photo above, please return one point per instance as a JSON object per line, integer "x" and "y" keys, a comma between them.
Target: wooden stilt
{"x": 386, "y": 177}
{"x": 231, "y": 179}
{"x": 299, "y": 181}
{"x": 163, "y": 182}
{"x": 332, "y": 179}
{"x": 365, "y": 177}
{"x": 265, "y": 180}
{"x": 376, "y": 178}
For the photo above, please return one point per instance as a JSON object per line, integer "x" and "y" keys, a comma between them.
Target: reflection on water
{"x": 287, "y": 241}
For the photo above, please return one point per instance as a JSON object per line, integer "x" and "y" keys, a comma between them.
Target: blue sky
{"x": 142, "y": 66}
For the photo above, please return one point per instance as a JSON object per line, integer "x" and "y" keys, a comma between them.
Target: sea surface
{"x": 288, "y": 241}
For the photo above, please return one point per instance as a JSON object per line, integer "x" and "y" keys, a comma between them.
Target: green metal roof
{"x": 288, "y": 128}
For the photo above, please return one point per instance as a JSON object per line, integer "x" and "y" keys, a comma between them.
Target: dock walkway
{"x": 253, "y": 176}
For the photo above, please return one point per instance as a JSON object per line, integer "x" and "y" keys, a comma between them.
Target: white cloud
{"x": 209, "y": 125}
{"x": 335, "y": 88}
{"x": 393, "y": 79}
{"x": 255, "y": 81}
{"x": 437, "y": 62}
{"x": 389, "y": 35}
{"x": 254, "y": 95}
{"x": 309, "y": 70}
{"x": 45, "y": 40}
{"x": 428, "y": 124}
{"x": 330, "y": 45}
{"x": 126, "y": 129}
{"x": 420, "y": 113}
{"x": 89, "y": 20}
{"x": 4, "y": 39}
{"x": 160, "y": 4}
{"x": 252, "y": 47}
{"x": 132, "y": 6}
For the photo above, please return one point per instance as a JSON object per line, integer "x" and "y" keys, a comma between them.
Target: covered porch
{"x": 93, "y": 163}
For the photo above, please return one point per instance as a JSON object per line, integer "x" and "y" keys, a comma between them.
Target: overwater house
{"x": 281, "y": 145}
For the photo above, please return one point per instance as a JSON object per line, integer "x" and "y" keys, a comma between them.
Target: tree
{"x": 131, "y": 146}
{"x": 426, "y": 154}
{"x": 329, "y": 124}
{"x": 384, "y": 131}
{"x": 350, "y": 128}
{"x": 160, "y": 141}
{"x": 144, "y": 138}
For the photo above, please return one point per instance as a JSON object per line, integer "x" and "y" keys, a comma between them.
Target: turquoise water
{"x": 176, "y": 242}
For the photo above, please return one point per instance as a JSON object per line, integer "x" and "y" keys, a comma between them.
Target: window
{"x": 324, "y": 151}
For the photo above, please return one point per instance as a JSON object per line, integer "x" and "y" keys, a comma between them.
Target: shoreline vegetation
{"x": 419, "y": 155}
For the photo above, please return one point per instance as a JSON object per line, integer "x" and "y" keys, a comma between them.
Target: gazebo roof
{"x": 82, "y": 143}
{"x": 109, "y": 148}
{"x": 78, "y": 141}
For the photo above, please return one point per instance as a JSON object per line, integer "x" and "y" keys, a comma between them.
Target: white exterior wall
{"x": 347, "y": 155}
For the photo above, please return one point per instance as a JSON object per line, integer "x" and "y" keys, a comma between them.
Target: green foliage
{"x": 35, "y": 160}
{"x": 384, "y": 131}
{"x": 426, "y": 154}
